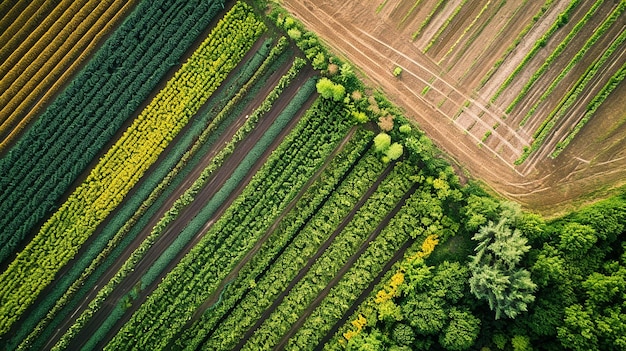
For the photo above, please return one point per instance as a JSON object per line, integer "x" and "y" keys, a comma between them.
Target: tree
{"x": 294, "y": 33}
{"x": 338, "y": 92}
{"x": 425, "y": 313}
{"x": 549, "y": 266}
{"x": 577, "y": 239}
{"x": 389, "y": 312}
{"x": 479, "y": 210}
{"x": 578, "y": 330}
{"x": 319, "y": 61}
{"x": 394, "y": 151}
{"x": 373, "y": 341}
{"x": 461, "y": 332}
{"x": 382, "y": 142}
{"x": 330, "y": 90}
{"x": 346, "y": 73}
{"x": 496, "y": 276}
{"x": 403, "y": 334}
{"x": 359, "y": 116}
{"x": 450, "y": 280}
{"x": 521, "y": 343}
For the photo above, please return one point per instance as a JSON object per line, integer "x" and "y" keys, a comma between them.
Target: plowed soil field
{"x": 441, "y": 89}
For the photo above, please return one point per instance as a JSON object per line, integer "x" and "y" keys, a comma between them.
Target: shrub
{"x": 382, "y": 142}
{"x": 397, "y": 71}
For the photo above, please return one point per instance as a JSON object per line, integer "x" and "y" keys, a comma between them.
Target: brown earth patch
{"x": 456, "y": 113}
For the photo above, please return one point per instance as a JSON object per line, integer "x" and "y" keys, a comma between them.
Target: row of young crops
{"x": 537, "y": 110}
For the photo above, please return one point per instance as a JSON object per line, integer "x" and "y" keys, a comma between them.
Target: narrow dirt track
{"x": 548, "y": 186}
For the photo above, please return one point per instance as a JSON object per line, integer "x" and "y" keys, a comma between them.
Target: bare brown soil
{"x": 456, "y": 111}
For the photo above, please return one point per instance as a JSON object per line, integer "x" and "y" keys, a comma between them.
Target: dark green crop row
{"x": 41, "y": 167}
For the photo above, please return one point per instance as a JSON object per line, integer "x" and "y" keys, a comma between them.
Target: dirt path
{"x": 320, "y": 251}
{"x": 457, "y": 118}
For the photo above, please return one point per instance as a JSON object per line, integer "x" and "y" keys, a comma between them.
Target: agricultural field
{"x": 509, "y": 84}
{"x": 210, "y": 175}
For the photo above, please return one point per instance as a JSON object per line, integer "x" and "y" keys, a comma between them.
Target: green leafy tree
{"x": 403, "y": 334}
{"x": 450, "y": 280}
{"x": 325, "y": 87}
{"x": 382, "y": 141}
{"x": 549, "y": 266}
{"x": 496, "y": 276}
{"x": 578, "y": 330}
{"x": 479, "y": 210}
{"x": 289, "y": 23}
{"x": 577, "y": 239}
{"x": 405, "y": 129}
{"x": 319, "y": 61}
{"x": 425, "y": 313}
{"x": 339, "y": 91}
{"x": 359, "y": 116}
{"x": 461, "y": 332}
{"x": 521, "y": 343}
{"x": 389, "y": 312}
{"x": 373, "y": 341}
{"x": 294, "y": 33}
{"x": 394, "y": 151}
{"x": 345, "y": 72}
